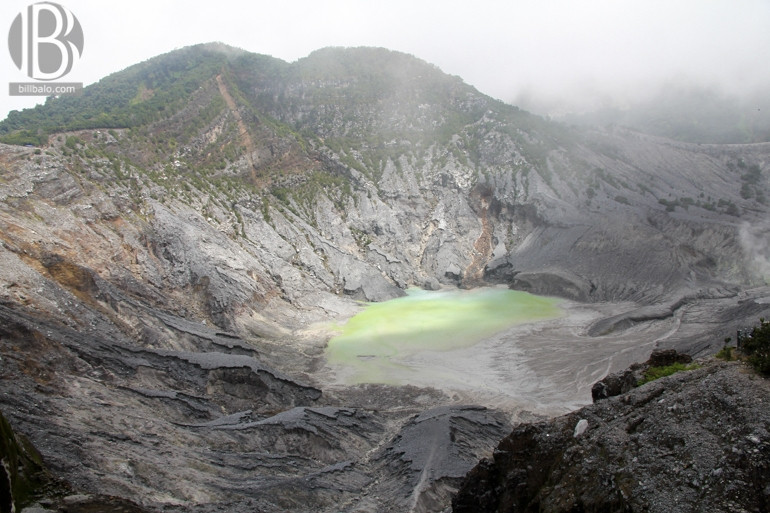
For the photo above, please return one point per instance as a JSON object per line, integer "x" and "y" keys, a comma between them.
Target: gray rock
{"x": 76, "y": 499}
{"x": 638, "y": 455}
{"x": 580, "y": 428}
{"x": 615, "y": 384}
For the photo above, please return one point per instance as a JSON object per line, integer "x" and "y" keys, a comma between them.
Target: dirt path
{"x": 242, "y": 130}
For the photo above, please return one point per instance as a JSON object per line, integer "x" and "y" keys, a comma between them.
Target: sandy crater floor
{"x": 545, "y": 367}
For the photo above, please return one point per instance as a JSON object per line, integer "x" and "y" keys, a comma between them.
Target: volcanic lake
{"x": 388, "y": 342}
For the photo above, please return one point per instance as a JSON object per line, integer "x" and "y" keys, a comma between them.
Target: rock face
{"x": 695, "y": 441}
{"x": 21, "y": 469}
{"x": 621, "y": 382}
{"x": 166, "y": 252}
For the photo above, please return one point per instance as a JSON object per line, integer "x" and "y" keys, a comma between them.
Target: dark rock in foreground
{"x": 696, "y": 441}
{"x": 21, "y": 471}
{"x": 27, "y": 485}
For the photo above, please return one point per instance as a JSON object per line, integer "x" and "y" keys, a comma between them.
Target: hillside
{"x": 696, "y": 441}
{"x": 177, "y": 236}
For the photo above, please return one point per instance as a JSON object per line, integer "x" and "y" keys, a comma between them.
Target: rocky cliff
{"x": 168, "y": 246}
{"x": 695, "y": 441}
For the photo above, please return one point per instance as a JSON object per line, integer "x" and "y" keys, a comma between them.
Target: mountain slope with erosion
{"x": 168, "y": 250}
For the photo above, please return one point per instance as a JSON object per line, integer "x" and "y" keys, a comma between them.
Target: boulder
{"x": 621, "y": 382}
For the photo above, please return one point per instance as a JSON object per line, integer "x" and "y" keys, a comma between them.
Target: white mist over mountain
{"x": 551, "y": 56}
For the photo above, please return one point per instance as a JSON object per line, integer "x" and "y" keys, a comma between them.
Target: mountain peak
{"x": 223, "y": 48}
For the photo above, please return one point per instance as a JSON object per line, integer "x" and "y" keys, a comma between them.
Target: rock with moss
{"x": 22, "y": 474}
{"x": 623, "y": 381}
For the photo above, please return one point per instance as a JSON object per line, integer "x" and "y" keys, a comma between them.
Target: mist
{"x": 755, "y": 241}
{"x": 562, "y": 59}
{"x": 694, "y": 71}
{"x": 583, "y": 56}
{"x": 554, "y": 57}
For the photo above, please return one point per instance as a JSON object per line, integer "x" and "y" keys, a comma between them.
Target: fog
{"x": 755, "y": 241}
{"x": 553, "y": 57}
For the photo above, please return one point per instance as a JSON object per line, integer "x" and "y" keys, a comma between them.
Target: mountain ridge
{"x": 273, "y": 138}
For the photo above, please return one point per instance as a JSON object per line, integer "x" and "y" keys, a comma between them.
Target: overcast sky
{"x": 558, "y": 51}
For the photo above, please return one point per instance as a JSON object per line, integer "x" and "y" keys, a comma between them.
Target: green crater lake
{"x": 377, "y": 344}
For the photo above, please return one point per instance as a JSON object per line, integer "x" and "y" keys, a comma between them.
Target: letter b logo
{"x": 45, "y": 41}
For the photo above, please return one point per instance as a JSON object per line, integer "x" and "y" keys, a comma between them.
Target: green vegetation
{"x": 141, "y": 94}
{"x": 73, "y": 142}
{"x": 622, "y": 199}
{"x": 726, "y": 353}
{"x": 362, "y": 238}
{"x": 723, "y": 206}
{"x": 265, "y": 208}
{"x": 302, "y": 197}
{"x": 751, "y": 182}
{"x": 654, "y": 373}
{"x": 756, "y": 346}
{"x": 599, "y": 179}
{"x": 25, "y": 137}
